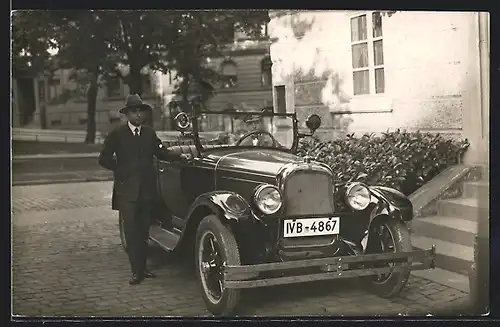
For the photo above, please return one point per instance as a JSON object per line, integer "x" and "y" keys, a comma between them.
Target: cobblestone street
{"x": 67, "y": 260}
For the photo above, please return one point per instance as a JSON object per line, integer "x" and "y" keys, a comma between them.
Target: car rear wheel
{"x": 390, "y": 235}
{"x": 216, "y": 246}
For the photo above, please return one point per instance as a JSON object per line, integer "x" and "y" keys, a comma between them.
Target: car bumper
{"x": 247, "y": 276}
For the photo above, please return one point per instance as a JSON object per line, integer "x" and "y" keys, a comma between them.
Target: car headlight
{"x": 358, "y": 196}
{"x": 268, "y": 199}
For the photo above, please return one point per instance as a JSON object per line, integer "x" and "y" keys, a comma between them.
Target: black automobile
{"x": 253, "y": 213}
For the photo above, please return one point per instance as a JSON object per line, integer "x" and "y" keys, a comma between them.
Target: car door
{"x": 173, "y": 185}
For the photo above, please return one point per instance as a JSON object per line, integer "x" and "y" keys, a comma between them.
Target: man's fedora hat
{"x": 134, "y": 101}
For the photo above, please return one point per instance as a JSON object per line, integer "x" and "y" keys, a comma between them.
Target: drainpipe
{"x": 479, "y": 279}
{"x": 484, "y": 64}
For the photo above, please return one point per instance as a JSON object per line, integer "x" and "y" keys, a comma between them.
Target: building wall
{"x": 249, "y": 92}
{"x": 426, "y": 64}
{"x": 67, "y": 110}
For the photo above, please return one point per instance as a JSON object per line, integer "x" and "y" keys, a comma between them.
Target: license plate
{"x": 311, "y": 227}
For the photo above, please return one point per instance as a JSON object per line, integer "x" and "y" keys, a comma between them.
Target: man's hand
{"x": 186, "y": 157}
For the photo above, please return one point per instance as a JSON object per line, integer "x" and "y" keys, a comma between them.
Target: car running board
{"x": 166, "y": 239}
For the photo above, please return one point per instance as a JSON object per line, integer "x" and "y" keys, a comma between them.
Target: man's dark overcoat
{"x": 130, "y": 158}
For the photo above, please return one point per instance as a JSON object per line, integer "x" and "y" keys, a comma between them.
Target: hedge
{"x": 402, "y": 160}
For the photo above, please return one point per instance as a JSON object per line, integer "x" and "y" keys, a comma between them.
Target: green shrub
{"x": 402, "y": 160}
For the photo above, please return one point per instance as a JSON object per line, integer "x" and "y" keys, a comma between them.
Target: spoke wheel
{"x": 215, "y": 247}
{"x": 388, "y": 235}
{"x": 385, "y": 244}
{"x": 211, "y": 265}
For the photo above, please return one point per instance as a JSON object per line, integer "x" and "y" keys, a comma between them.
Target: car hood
{"x": 261, "y": 161}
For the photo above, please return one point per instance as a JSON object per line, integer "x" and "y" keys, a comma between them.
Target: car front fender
{"x": 227, "y": 205}
{"x": 391, "y": 202}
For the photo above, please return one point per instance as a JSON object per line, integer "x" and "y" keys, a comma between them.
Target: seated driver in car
{"x": 258, "y": 124}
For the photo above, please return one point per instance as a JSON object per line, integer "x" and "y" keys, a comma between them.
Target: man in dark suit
{"x": 134, "y": 144}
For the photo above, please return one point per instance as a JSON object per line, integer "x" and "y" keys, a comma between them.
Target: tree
{"x": 32, "y": 40}
{"x": 82, "y": 39}
{"x": 200, "y": 34}
{"x": 98, "y": 42}
{"x": 140, "y": 40}
{"x": 176, "y": 40}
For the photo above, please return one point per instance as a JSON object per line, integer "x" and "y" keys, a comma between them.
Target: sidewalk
{"x": 36, "y": 163}
{"x": 57, "y": 177}
{"x": 54, "y": 156}
{"x": 32, "y": 148}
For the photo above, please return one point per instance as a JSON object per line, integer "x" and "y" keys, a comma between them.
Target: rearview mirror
{"x": 182, "y": 121}
{"x": 313, "y": 122}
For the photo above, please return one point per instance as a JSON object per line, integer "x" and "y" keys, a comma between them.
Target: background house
{"x": 57, "y": 102}
{"x": 367, "y": 71}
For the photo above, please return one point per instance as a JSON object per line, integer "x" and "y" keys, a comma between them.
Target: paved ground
{"x": 67, "y": 260}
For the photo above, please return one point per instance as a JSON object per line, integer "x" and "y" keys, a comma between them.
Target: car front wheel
{"x": 216, "y": 246}
{"x": 390, "y": 235}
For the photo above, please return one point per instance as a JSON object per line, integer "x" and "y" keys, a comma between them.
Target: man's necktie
{"x": 136, "y": 131}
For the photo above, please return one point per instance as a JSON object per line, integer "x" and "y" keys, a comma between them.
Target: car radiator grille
{"x": 308, "y": 193}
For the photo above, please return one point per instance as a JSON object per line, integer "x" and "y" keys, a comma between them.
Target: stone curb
{"x": 62, "y": 181}
{"x": 55, "y": 156}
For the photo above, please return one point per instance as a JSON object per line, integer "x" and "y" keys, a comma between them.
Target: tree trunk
{"x": 135, "y": 86}
{"x": 135, "y": 79}
{"x": 184, "y": 88}
{"x": 91, "y": 108}
{"x": 43, "y": 103}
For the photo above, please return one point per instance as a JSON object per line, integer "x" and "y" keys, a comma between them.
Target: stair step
{"x": 450, "y": 256}
{"x": 477, "y": 189}
{"x": 450, "y": 229}
{"x": 465, "y": 208}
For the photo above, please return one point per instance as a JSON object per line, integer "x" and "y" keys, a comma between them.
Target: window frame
{"x": 226, "y": 78}
{"x": 266, "y": 72}
{"x": 281, "y": 99}
{"x": 370, "y": 40}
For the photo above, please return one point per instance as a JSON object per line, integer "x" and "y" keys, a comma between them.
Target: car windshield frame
{"x": 196, "y": 130}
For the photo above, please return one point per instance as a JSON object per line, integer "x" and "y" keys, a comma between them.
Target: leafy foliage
{"x": 402, "y": 160}
{"x": 32, "y": 33}
{"x": 201, "y": 34}
{"x": 100, "y": 42}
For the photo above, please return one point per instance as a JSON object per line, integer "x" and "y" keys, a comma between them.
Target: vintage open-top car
{"x": 253, "y": 213}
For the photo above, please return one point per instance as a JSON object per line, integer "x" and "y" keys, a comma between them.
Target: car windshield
{"x": 246, "y": 129}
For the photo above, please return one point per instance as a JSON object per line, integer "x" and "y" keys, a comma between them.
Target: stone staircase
{"x": 450, "y": 222}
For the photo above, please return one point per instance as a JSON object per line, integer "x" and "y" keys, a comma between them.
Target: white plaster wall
{"x": 426, "y": 59}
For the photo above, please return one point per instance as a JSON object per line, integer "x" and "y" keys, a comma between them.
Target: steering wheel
{"x": 247, "y": 135}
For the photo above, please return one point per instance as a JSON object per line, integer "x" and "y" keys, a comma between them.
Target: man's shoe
{"x": 149, "y": 274}
{"x": 136, "y": 279}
